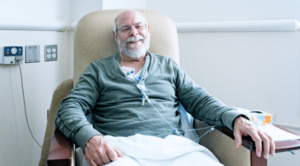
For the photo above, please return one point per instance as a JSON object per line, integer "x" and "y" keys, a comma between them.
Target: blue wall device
{"x": 11, "y": 54}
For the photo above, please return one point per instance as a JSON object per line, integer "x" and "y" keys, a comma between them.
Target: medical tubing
{"x": 199, "y": 128}
{"x": 175, "y": 130}
{"x": 161, "y": 115}
{"x": 25, "y": 105}
{"x": 208, "y": 131}
{"x": 211, "y": 128}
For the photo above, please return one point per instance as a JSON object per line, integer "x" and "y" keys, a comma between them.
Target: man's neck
{"x": 136, "y": 63}
{"x": 128, "y": 59}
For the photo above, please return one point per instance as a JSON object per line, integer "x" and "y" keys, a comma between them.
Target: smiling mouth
{"x": 135, "y": 41}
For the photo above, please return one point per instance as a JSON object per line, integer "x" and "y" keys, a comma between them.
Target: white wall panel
{"x": 79, "y": 8}
{"x": 35, "y": 9}
{"x": 121, "y": 4}
{"x": 229, "y": 10}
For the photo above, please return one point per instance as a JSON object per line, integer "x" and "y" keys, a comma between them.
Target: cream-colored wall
{"x": 40, "y": 79}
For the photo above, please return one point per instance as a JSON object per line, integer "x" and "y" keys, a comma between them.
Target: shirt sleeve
{"x": 70, "y": 118}
{"x": 200, "y": 104}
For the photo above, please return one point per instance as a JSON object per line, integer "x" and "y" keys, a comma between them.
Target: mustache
{"x": 134, "y": 39}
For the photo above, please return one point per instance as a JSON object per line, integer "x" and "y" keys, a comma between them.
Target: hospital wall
{"x": 40, "y": 79}
{"x": 252, "y": 70}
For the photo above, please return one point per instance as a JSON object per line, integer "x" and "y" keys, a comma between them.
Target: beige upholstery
{"x": 94, "y": 40}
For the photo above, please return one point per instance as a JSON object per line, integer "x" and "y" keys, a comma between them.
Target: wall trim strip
{"x": 221, "y": 26}
{"x": 31, "y": 24}
{"x": 235, "y": 26}
{"x": 240, "y": 26}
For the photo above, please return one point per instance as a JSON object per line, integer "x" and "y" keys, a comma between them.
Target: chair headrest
{"x": 93, "y": 38}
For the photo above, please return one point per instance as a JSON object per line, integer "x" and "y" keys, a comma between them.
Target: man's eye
{"x": 125, "y": 29}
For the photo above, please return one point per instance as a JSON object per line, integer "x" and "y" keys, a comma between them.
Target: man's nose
{"x": 133, "y": 31}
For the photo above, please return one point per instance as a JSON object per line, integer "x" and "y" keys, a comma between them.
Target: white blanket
{"x": 141, "y": 150}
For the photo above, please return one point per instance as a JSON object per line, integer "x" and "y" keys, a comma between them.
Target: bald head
{"x": 128, "y": 14}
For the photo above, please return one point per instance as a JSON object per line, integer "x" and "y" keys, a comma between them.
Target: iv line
{"x": 174, "y": 128}
{"x": 142, "y": 88}
{"x": 211, "y": 128}
{"x": 199, "y": 128}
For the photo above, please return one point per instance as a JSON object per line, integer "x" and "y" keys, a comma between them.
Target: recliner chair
{"x": 93, "y": 40}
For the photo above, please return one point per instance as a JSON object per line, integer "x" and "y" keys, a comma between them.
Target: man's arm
{"x": 205, "y": 107}
{"x": 70, "y": 118}
{"x": 200, "y": 104}
{"x": 72, "y": 122}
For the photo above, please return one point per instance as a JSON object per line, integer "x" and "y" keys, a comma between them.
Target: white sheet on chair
{"x": 154, "y": 151}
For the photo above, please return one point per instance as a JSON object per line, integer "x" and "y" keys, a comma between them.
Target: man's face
{"x": 133, "y": 35}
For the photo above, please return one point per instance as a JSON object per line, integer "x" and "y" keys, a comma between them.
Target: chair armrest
{"x": 221, "y": 143}
{"x": 247, "y": 141}
{"x": 281, "y": 146}
{"x": 249, "y": 144}
{"x": 61, "y": 151}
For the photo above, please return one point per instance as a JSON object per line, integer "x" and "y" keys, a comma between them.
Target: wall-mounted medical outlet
{"x": 51, "y": 53}
{"x": 32, "y": 54}
{"x": 11, "y": 55}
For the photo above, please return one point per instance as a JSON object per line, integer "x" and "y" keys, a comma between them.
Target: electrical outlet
{"x": 50, "y": 52}
{"x": 32, "y": 54}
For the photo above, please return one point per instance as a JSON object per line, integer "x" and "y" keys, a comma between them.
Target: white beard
{"x": 136, "y": 53}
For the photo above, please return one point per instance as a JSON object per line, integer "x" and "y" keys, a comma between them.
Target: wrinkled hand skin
{"x": 99, "y": 152}
{"x": 243, "y": 127}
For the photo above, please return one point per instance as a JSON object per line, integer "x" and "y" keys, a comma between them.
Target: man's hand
{"x": 243, "y": 127}
{"x": 99, "y": 152}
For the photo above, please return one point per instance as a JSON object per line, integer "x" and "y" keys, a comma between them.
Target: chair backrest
{"x": 93, "y": 38}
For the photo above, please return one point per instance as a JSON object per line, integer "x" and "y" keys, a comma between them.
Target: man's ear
{"x": 148, "y": 28}
{"x": 115, "y": 36}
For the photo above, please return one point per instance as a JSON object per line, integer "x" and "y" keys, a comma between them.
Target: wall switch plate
{"x": 32, "y": 54}
{"x": 50, "y": 52}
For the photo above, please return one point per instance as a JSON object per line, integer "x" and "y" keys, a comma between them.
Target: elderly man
{"x": 133, "y": 96}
